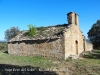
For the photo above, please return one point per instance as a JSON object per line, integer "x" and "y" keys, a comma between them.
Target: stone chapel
{"x": 60, "y": 41}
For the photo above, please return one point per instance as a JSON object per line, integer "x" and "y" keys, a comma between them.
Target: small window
{"x": 75, "y": 19}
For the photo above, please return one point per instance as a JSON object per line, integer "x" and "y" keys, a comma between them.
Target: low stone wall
{"x": 89, "y": 46}
{"x": 53, "y": 48}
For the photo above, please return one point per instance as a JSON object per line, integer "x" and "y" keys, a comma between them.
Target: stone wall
{"x": 53, "y": 48}
{"x": 89, "y": 46}
{"x": 73, "y": 35}
{"x": 74, "y": 40}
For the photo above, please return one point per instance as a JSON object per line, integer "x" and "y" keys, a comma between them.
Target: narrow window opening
{"x": 76, "y": 45}
{"x": 75, "y": 19}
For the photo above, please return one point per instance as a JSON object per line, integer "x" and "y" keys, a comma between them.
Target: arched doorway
{"x": 76, "y": 47}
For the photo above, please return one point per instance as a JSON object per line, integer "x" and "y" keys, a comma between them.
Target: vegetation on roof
{"x": 35, "y": 33}
{"x": 41, "y": 32}
{"x": 32, "y": 30}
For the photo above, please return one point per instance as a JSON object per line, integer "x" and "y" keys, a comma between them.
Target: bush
{"x": 3, "y": 46}
{"x": 32, "y": 30}
{"x": 68, "y": 59}
{"x": 41, "y": 28}
{"x": 96, "y": 51}
{"x": 12, "y": 32}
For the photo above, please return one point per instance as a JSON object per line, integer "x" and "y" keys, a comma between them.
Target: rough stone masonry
{"x": 61, "y": 41}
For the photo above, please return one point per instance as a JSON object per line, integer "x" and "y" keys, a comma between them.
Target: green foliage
{"x": 3, "y": 46}
{"x": 95, "y": 54}
{"x": 68, "y": 59}
{"x": 84, "y": 66}
{"x": 96, "y": 51}
{"x": 32, "y": 30}
{"x": 79, "y": 64}
{"x": 12, "y": 32}
{"x": 94, "y": 34}
{"x": 24, "y": 60}
{"x": 41, "y": 28}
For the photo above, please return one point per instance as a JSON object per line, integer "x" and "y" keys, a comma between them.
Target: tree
{"x": 94, "y": 34}
{"x": 12, "y": 32}
{"x": 32, "y": 30}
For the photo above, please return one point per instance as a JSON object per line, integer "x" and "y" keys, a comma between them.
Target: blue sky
{"x": 46, "y": 13}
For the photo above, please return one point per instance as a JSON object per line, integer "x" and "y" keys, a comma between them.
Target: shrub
{"x": 41, "y": 28}
{"x": 68, "y": 59}
{"x": 12, "y": 32}
{"x": 32, "y": 30}
{"x": 3, "y": 46}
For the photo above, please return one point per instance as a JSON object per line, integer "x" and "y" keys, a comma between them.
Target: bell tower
{"x": 73, "y": 18}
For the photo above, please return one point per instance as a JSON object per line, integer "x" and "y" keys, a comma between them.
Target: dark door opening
{"x": 76, "y": 45}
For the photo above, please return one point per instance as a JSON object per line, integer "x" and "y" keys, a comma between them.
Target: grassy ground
{"x": 83, "y": 66}
{"x": 89, "y": 65}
